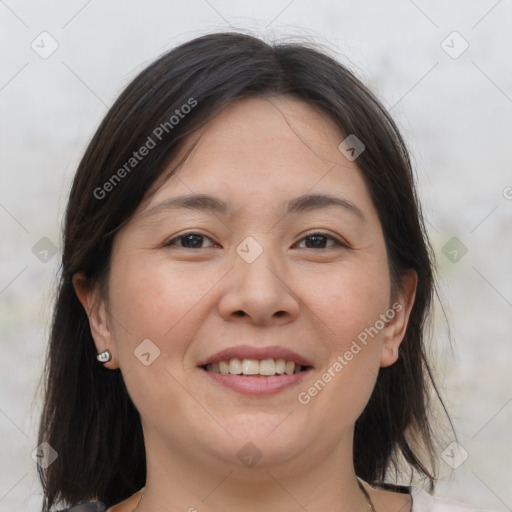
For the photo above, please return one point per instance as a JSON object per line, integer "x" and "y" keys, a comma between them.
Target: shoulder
{"x": 92, "y": 506}
{"x": 424, "y": 502}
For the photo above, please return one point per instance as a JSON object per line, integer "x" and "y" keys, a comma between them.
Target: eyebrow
{"x": 204, "y": 202}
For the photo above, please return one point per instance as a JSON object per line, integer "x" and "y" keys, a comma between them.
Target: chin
{"x": 263, "y": 440}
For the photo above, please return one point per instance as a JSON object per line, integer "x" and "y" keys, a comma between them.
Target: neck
{"x": 314, "y": 483}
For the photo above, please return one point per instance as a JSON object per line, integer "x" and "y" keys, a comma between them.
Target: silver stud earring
{"x": 104, "y": 356}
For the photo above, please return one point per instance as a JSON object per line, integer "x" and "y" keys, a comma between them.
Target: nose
{"x": 259, "y": 292}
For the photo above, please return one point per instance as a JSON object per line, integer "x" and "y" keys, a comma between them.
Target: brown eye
{"x": 318, "y": 240}
{"x": 189, "y": 241}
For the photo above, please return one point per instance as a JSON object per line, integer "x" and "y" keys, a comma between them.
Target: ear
{"x": 96, "y": 310}
{"x": 398, "y": 319}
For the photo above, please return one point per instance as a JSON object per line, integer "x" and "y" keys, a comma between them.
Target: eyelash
{"x": 171, "y": 242}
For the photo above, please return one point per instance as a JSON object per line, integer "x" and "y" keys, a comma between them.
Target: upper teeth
{"x": 254, "y": 367}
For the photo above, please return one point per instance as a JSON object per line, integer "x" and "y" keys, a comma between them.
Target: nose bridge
{"x": 258, "y": 262}
{"x": 258, "y": 285}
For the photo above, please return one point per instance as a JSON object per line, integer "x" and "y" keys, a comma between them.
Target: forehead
{"x": 266, "y": 151}
{"x": 261, "y": 134}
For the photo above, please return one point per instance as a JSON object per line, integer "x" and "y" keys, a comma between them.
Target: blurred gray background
{"x": 443, "y": 68}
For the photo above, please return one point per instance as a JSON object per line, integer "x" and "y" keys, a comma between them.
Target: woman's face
{"x": 189, "y": 282}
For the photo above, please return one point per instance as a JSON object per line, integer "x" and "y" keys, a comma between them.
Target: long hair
{"x": 88, "y": 416}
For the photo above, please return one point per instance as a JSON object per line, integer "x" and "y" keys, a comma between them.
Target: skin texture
{"x": 256, "y": 155}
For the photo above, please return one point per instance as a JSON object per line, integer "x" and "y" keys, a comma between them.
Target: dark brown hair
{"x": 88, "y": 416}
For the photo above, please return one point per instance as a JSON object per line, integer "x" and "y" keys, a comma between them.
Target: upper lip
{"x": 260, "y": 353}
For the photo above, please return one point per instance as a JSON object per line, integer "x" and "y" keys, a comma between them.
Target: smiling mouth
{"x": 255, "y": 367}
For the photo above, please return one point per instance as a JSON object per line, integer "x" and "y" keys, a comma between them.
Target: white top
{"x": 424, "y": 502}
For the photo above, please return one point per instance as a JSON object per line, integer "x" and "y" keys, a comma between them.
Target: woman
{"x": 245, "y": 284}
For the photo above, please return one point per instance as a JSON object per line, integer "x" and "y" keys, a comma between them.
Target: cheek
{"x": 349, "y": 304}
{"x": 150, "y": 302}
{"x": 350, "y": 301}
{"x": 150, "y": 299}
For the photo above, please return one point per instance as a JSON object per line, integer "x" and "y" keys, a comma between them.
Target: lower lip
{"x": 250, "y": 385}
